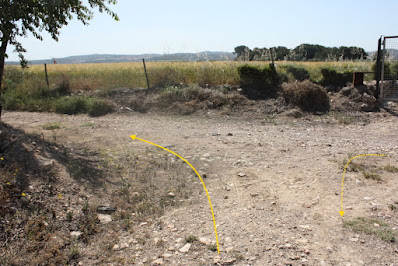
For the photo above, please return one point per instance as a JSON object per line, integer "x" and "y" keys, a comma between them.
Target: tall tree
{"x": 19, "y": 17}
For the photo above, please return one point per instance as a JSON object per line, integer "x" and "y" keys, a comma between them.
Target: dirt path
{"x": 274, "y": 183}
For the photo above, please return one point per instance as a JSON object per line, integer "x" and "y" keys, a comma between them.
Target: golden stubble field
{"x": 105, "y": 76}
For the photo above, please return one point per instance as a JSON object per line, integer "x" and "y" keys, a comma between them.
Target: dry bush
{"x": 189, "y": 99}
{"x": 306, "y": 95}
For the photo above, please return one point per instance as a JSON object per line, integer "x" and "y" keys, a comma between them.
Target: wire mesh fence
{"x": 389, "y": 73}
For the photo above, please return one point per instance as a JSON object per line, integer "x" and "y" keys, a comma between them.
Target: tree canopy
{"x": 19, "y": 17}
{"x": 303, "y": 52}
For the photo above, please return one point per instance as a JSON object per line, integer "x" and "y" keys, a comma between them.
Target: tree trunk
{"x": 3, "y": 49}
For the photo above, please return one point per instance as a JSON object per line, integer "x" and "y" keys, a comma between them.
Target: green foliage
{"x": 212, "y": 247}
{"x": 52, "y": 126}
{"x": 303, "y": 52}
{"x": 259, "y": 82}
{"x": 306, "y": 95}
{"x": 71, "y": 105}
{"x": 332, "y": 77}
{"x": 391, "y": 168}
{"x": 298, "y": 73}
{"x": 191, "y": 238}
{"x": 99, "y": 107}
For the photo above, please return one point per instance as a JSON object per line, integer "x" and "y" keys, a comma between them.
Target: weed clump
{"x": 71, "y": 105}
{"x": 367, "y": 225}
{"x": 306, "y": 95}
{"x": 99, "y": 107}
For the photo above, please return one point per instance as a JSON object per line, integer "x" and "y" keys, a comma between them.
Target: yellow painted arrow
{"x": 342, "y": 181}
{"x": 134, "y": 137}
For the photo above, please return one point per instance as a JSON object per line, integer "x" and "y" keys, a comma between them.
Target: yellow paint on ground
{"x": 134, "y": 137}
{"x": 342, "y": 181}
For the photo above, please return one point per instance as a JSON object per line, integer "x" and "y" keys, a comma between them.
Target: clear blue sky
{"x": 157, "y": 26}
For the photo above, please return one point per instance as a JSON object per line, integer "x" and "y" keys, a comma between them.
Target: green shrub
{"x": 99, "y": 107}
{"x": 306, "y": 95}
{"x": 71, "y": 105}
{"x": 259, "y": 82}
{"x": 298, "y": 73}
{"x": 36, "y": 100}
{"x": 332, "y": 77}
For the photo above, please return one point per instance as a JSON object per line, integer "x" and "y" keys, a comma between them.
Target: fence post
{"x": 378, "y": 69}
{"x": 146, "y": 74}
{"x": 45, "y": 71}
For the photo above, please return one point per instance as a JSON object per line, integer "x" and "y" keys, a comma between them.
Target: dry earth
{"x": 274, "y": 183}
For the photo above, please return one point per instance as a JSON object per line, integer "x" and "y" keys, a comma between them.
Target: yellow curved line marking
{"x": 134, "y": 137}
{"x": 342, "y": 181}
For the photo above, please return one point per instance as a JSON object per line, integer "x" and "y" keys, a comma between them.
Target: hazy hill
{"x": 114, "y": 58}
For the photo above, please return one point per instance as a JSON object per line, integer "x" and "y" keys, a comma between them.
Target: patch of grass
{"x": 391, "y": 168}
{"x": 212, "y": 247}
{"x": 73, "y": 253}
{"x": 191, "y": 238}
{"x": 372, "y": 227}
{"x": 90, "y": 124}
{"x": 52, "y": 126}
{"x": 372, "y": 175}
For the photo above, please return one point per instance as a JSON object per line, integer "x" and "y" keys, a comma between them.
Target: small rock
{"x": 307, "y": 251}
{"x": 229, "y": 249}
{"x": 217, "y": 260}
{"x": 135, "y": 194}
{"x": 171, "y": 195}
{"x": 330, "y": 249}
{"x": 354, "y": 239}
{"x": 241, "y": 174}
{"x": 254, "y": 194}
{"x": 204, "y": 241}
{"x": 206, "y": 155}
{"x": 376, "y": 225}
{"x": 104, "y": 218}
{"x": 367, "y": 198}
{"x": 348, "y": 208}
{"x": 229, "y": 134}
{"x": 76, "y": 233}
{"x": 185, "y": 248}
{"x": 167, "y": 255}
{"x": 229, "y": 261}
{"x": 157, "y": 262}
{"x": 116, "y": 247}
{"x": 156, "y": 240}
{"x": 124, "y": 245}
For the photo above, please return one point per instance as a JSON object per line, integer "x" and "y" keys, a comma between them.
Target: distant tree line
{"x": 303, "y": 52}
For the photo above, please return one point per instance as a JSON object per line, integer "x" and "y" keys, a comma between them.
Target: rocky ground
{"x": 274, "y": 181}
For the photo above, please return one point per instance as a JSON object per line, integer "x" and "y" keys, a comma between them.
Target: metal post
{"x": 382, "y": 71}
{"x": 378, "y": 69}
{"x": 45, "y": 71}
{"x": 146, "y": 74}
{"x": 272, "y": 56}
